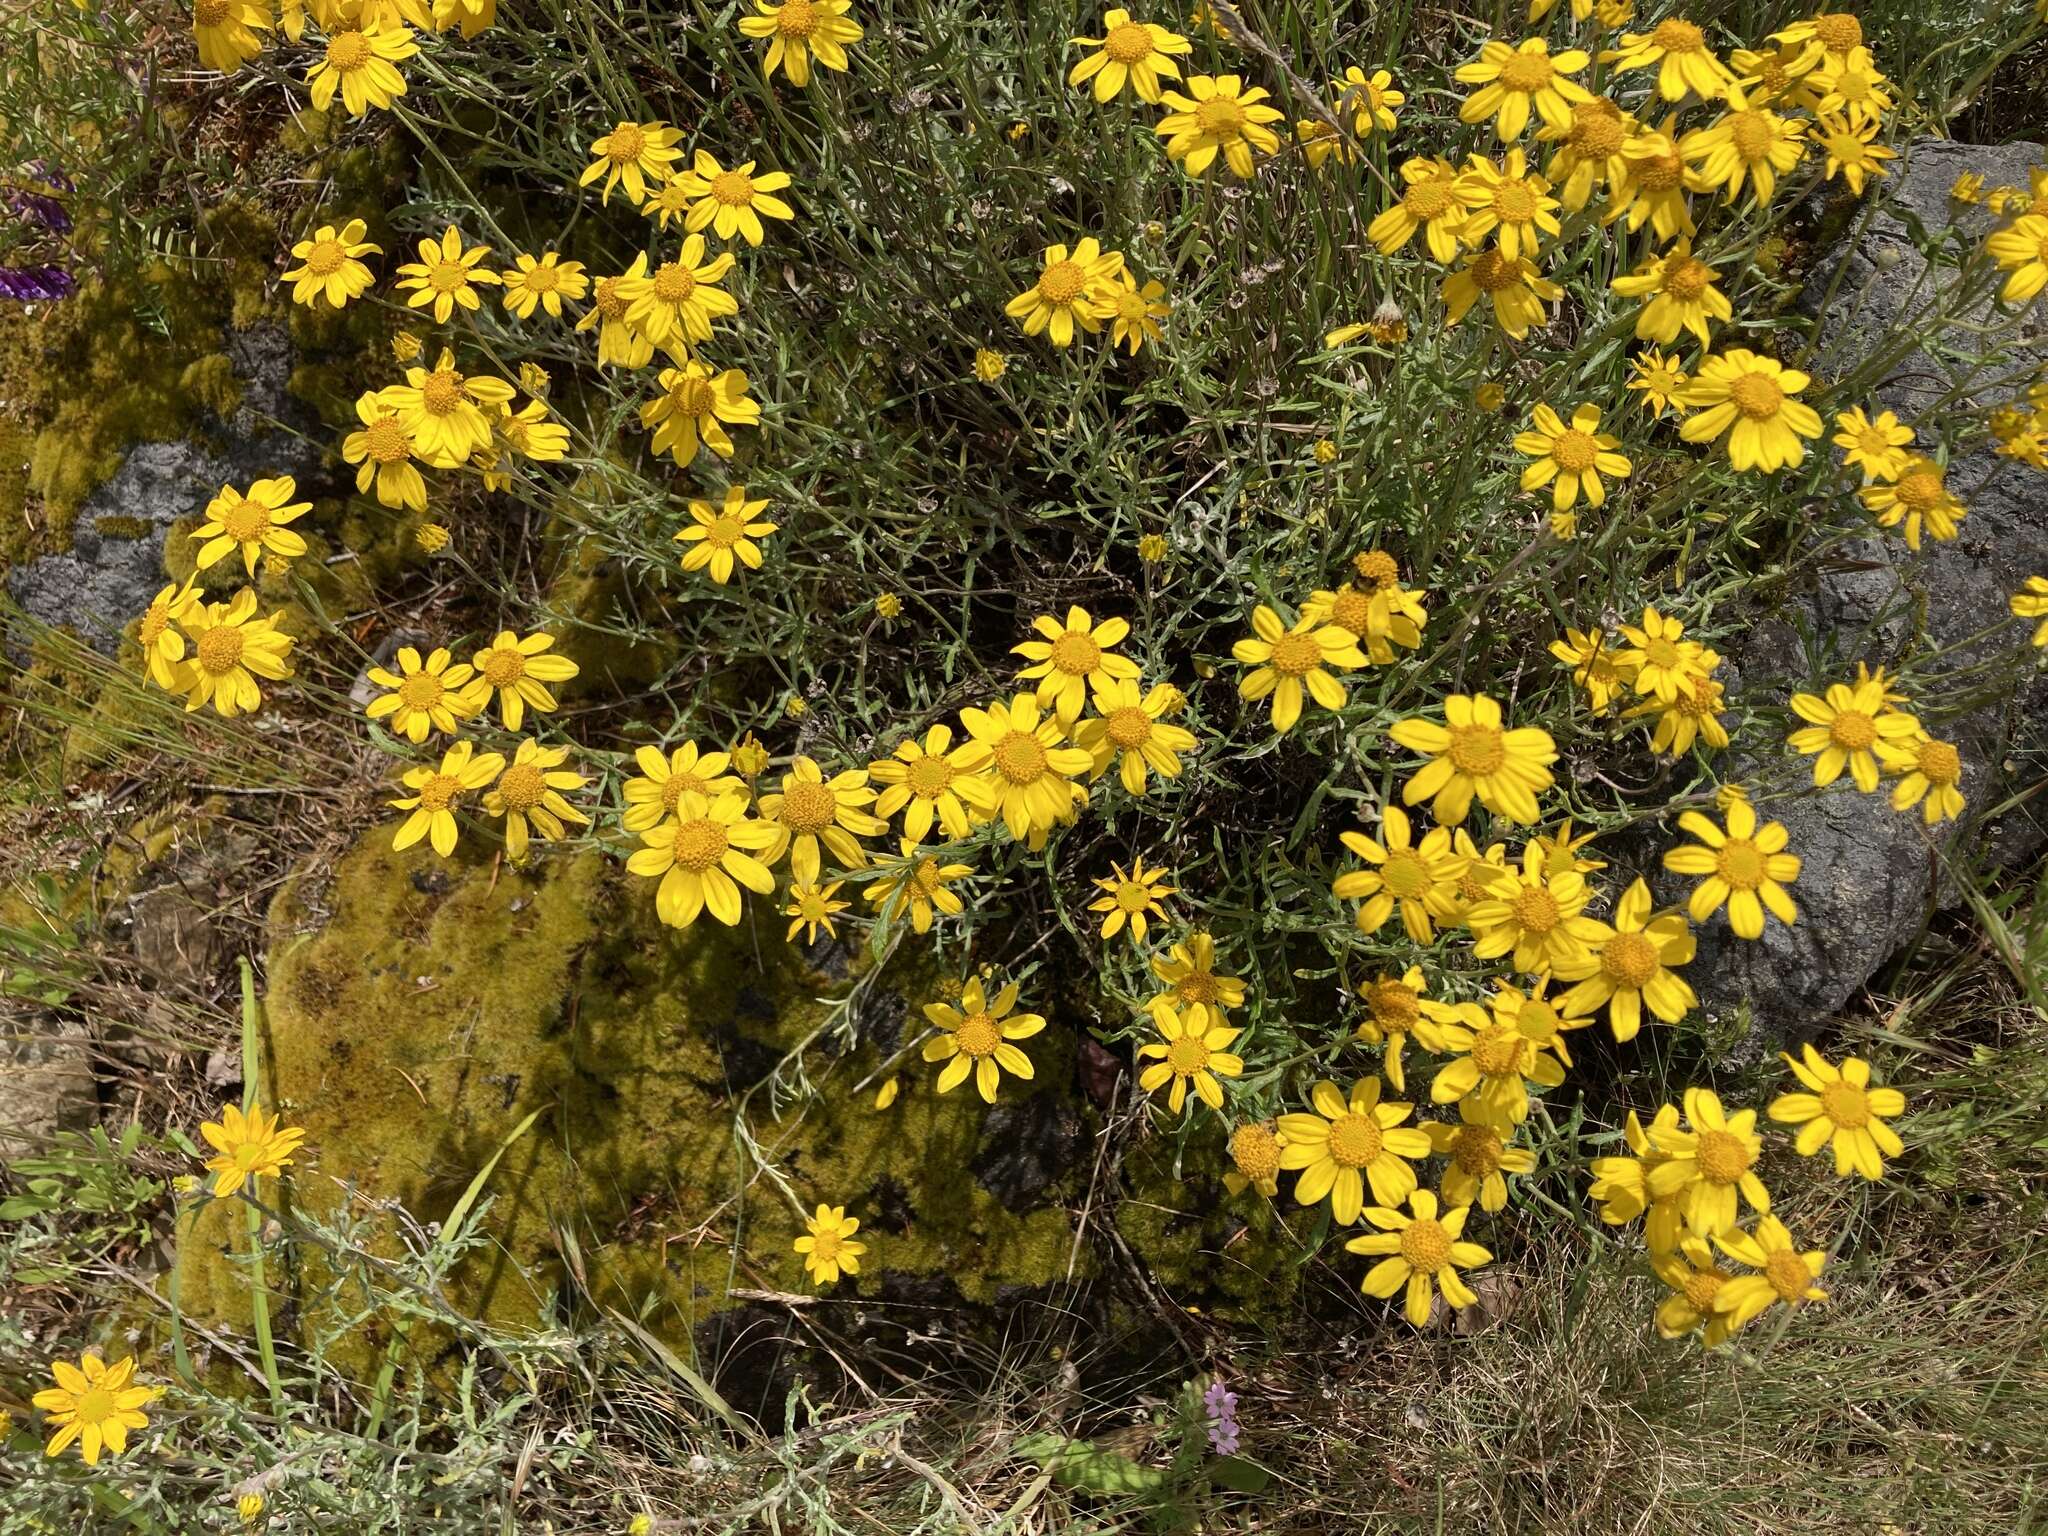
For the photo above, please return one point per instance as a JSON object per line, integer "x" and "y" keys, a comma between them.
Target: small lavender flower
{"x": 26, "y": 284}
{"x": 1221, "y": 1406}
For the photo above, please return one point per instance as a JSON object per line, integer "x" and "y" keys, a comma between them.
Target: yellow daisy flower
{"x": 1347, "y": 1144}
{"x": 1512, "y": 287}
{"x": 226, "y": 32}
{"x": 442, "y": 412}
{"x": 1138, "y": 313}
{"x": 1474, "y": 755}
{"x": 934, "y": 781}
{"x": 1622, "y": 1184}
{"x": 1072, "y": 290}
{"x": 1132, "y": 898}
{"x": 247, "y": 1147}
{"x": 1746, "y": 866}
{"x": 1660, "y": 173}
{"x": 1659, "y": 380}
{"x": 718, "y": 539}
{"x": 253, "y": 522}
{"x": 1710, "y": 1164}
{"x": 1920, "y": 499}
{"x": 1494, "y": 1062}
{"x": 2021, "y": 251}
{"x": 382, "y": 450}
{"x": 1749, "y": 145}
{"x": 1693, "y": 712}
{"x": 1841, "y": 1109}
{"x": 436, "y": 791}
{"x": 424, "y": 696}
{"x": 1659, "y": 659}
{"x": 1677, "y": 49}
{"x": 2031, "y": 602}
{"x": 1073, "y": 658}
{"x": 1589, "y": 152}
{"x": 163, "y": 647}
{"x": 653, "y": 794}
{"x": 542, "y": 282}
{"x": 920, "y": 882}
{"x": 1134, "y": 51}
{"x": 618, "y": 344}
{"x": 1193, "y": 989}
{"x": 1255, "y": 1160}
{"x": 1429, "y": 202}
{"x": 1680, "y": 295}
{"x": 694, "y": 408}
{"x": 528, "y": 433}
{"x": 675, "y": 304}
{"x": 979, "y": 1037}
{"x": 230, "y": 649}
{"x": 1479, "y": 1158}
{"x": 1368, "y": 100}
{"x": 329, "y": 265}
{"x": 1776, "y": 77}
{"x": 1423, "y": 1252}
{"x": 1630, "y": 967}
{"x": 1596, "y": 666}
{"x": 827, "y": 1245}
{"x": 1788, "y": 1275}
{"x": 1421, "y": 878}
{"x": 93, "y": 1404}
{"x": 1397, "y": 1007}
{"x": 1218, "y": 115}
{"x": 1844, "y": 729}
{"x": 639, "y": 154}
{"x": 1929, "y": 773}
{"x": 1826, "y": 35}
{"x": 1192, "y": 1053}
{"x": 733, "y": 202}
{"x": 1535, "y": 915}
{"x": 1571, "y": 459}
{"x": 528, "y": 795}
{"x": 1030, "y": 773}
{"x": 1877, "y": 447}
{"x": 1508, "y": 201}
{"x": 1851, "y": 152}
{"x": 703, "y": 856}
{"x": 1288, "y": 662}
{"x": 1516, "y": 81}
{"x": 1695, "y": 1280}
{"x": 803, "y": 30}
{"x": 1749, "y": 398}
{"x": 812, "y": 907}
{"x": 1852, "y": 90}
{"x": 811, "y": 810}
{"x": 446, "y": 276}
{"x": 516, "y": 668}
{"x": 1132, "y": 731}
{"x": 363, "y": 67}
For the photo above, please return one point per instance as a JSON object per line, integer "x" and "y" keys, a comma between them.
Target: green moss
{"x": 121, "y": 527}
{"x": 1243, "y": 1254}
{"x": 210, "y": 381}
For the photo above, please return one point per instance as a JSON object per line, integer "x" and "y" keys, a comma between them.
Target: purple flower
{"x": 31, "y": 283}
{"x": 1221, "y": 1406}
{"x": 34, "y": 208}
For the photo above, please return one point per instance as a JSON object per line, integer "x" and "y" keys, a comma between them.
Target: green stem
{"x": 259, "y": 1310}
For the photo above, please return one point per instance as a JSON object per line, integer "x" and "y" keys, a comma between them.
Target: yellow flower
{"x": 1851, "y": 90}
{"x": 1030, "y": 773}
{"x": 94, "y": 1404}
{"x": 1589, "y": 151}
{"x": 2021, "y": 251}
{"x": 693, "y": 408}
{"x": 827, "y": 1244}
{"x": 1622, "y": 1184}
{"x": 254, "y": 522}
{"x": 1694, "y": 711}
{"x": 1508, "y": 201}
{"x": 749, "y": 757}
{"x": 1511, "y": 286}
{"x": 447, "y": 274}
{"x": 710, "y": 845}
{"x": 676, "y": 303}
{"x": 542, "y": 282}
{"x": 226, "y": 32}
{"x": 1596, "y": 665}
{"x": 1709, "y": 1164}
{"x": 1968, "y": 188}
{"x": 718, "y": 539}
{"x": 1369, "y": 100}
{"x": 1920, "y": 499}
{"x": 1287, "y": 662}
{"x": 405, "y": 346}
{"x": 435, "y": 792}
{"x": 163, "y": 647}
{"x": 1255, "y": 1160}
{"x": 670, "y": 200}
{"x": 1680, "y": 293}
{"x": 1658, "y": 379}
{"x": 1535, "y": 915}
{"x": 1423, "y": 1252}
{"x": 431, "y": 538}
{"x": 1429, "y": 202}
{"x": 1379, "y": 611}
{"x": 1850, "y": 152}
{"x": 1350, "y": 1143}
{"x": 617, "y": 342}
{"x": 1494, "y": 1060}
{"x": 978, "y": 1037}
{"x": 1191, "y": 1053}
{"x": 472, "y": 15}
{"x": 247, "y": 1147}
{"x": 1152, "y": 548}
{"x": 733, "y": 202}
{"x": 383, "y": 453}
{"x": 442, "y": 412}
{"x": 1138, "y": 313}
{"x": 1397, "y": 1007}
{"x": 1832, "y": 35}
{"x": 1077, "y": 289}
{"x": 989, "y": 364}
{"x": 811, "y": 810}
{"x": 1930, "y": 771}
{"x": 424, "y": 696}
{"x": 528, "y": 433}
{"x": 639, "y": 154}
{"x": 812, "y": 907}
{"x": 230, "y": 649}
{"x": 528, "y": 795}
{"x": 1132, "y": 898}
{"x": 1678, "y": 51}
{"x": 1479, "y": 1158}
{"x": 1788, "y": 1275}
{"x": 1695, "y": 1280}
{"x": 1473, "y": 754}
{"x": 1746, "y": 866}
{"x": 1878, "y": 448}
{"x": 1421, "y": 878}
{"x": 1193, "y": 989}
{"x": 1218, "y": 115}
{"x": 1629, "y": 967}
{"x": 1752, "y": 145}
{"x": 1130, "y": 50}
{"x": 1660, "y": 174}
{"x": 803, "y": 30}
{"x": 1133, "y": 733}
{"x": 329, "y": 267}
{"x": 363, "y": 66}
{"x": 653, "y": 794}
{"x": 1516, "y": 81}
{"x": 933, "y": 780}
{"x": 249, "y": 1508}
{"x": 1749, "y": 398}
{"x": 516, "y": 669}
{"x": 1074, "y": 658}
{"x": 919, "y": 881}
{"x": 1325, "y": 451}
{"x": 1841, "y": 1109}
{"x": 1571, "y": 458}
{"x": 1844, "y": 728}
{"x": 1659, "y": 659}
{"x": 2031, "y": 602}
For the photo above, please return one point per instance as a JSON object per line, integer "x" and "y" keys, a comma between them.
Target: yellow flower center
{"x": 1701, "y": 1286}
{"x": 1751, "y": 133}
{"x": 1219, "y": 117}
{"x": 220, "y": 649}
{"x": 1722, "y": 1156}
{"x": 1128, "y": 43}
{"x": 978, "y": 1036}
{"x": 1132, "y": 896}
{"x": 502, "y": 667}
{"x": 210, "y": 13}
{"x": 673, "y": 282}
{"x": 606, "y": 297}
{"x": 1187, "y": 1056}
{"x": 808, "y": 807}
{"x": 1470, "y": 886}
{"x": 324, "y": 257}
{"x": 1919, "y": 490}
{"x": 1296, "y": 655}
{"x": 245, "y": 521}
{"x": 1536, "y": 911}
{"x": 1477, "y": 750}
{"x": 1788, "y": 1274}
{"x": 1497, "y": 1051}
{"x": 95, "y": 1406}
{"x": 542, "y": 279}
{"x": 701, "y": 843}
{"x": 1855, "y": 87}
{"x": 1630, "y": 960}
{"x": 676, "y": 785}
{"x": 735, "y": 189}
{"x": 385, "y": 438}
{"x": 1394, "y": 1006}
{"x": 441, "y": 394}
{"x": 1662, "y": 653}
{"x": 439, "y": 792}
{"x": 798, "y": 18}
{"x": 929, "y": 777}
{"x": 1846, "y": 1105}
{"x": 1196, "y": 987}
{"x": 1256, "y": 1151}
{"x": 926, "y": 876}
{"x": 1493, "y": 272}
{"x": 1427, "y": 200}
{"x": 521, "y": 787}
{"x": 1940, "y": 763}
{"x": 1426, "y": 1245}
{"x": 1062, "y": 282}
{"x": 1128, "y": 728}
{"x": 1596, "y": 129}
{"x": 1514, "y": 202}
{"x": 421, "y": 690}
{"x": 1757, "y": 396}
{"x": 1376, "y": 568}
{"x": 1355, "y": 1140}
{"x": 724, "y": 531}
{"x": 1351, "y": 610}
{"x": 1575, "y": 452}
{"x": 1405, "y": 874}
{"x": 348, "y": 52}
{"x": 154, "y": 622}
{"x": 1075, "y": 654}
{"x": 1852, "y": 730}
{"x": 1527, "y": 72}
{"x": 692, "y": 397}
{"x": 1740, "y": 863}
{"x": 1476, "y": 1150}
{"x": 448, "y": 277}
{"x": 625, "y": 144}
{"x": 1132, "y": 305}
{"x": 1686, "y": 280}
{"x": 1660, "y": 173}
{"x": 824, "y": 1247}
{"x": 1020, "y": 758}
{"x": 1675, "y": 36}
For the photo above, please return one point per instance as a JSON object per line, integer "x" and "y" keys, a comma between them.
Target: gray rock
{"x": 46, "y": 1079}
